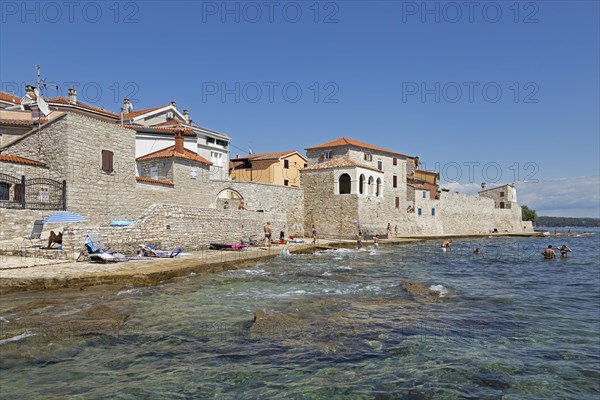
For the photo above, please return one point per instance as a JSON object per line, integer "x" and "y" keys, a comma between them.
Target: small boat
{"x": 226, "y": 246}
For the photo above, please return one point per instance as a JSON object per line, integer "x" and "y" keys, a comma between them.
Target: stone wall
{"x": 471, "y": 214}
{"x": 190, "y": 228}
{"x": 18, "y": 223}
{"x": 72, "y": 147}
{"x": 334, "y": 216}
{"x": 30, "y": 171}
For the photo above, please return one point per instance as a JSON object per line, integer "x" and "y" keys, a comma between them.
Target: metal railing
{"x": 33, "y": 194}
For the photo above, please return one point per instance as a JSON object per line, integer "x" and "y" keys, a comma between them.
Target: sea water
{"x": 335, "y": 324}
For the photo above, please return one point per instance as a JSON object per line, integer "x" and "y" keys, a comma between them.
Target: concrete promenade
{"x": 52, "y": 269}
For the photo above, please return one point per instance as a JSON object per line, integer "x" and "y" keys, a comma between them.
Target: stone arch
{"x": 231, "y": 196}
{"x": 371, "y": 181}
{"x": 345, "y": 184}
{"x": 378, "y": 188}
{"x": 502, "y": 205}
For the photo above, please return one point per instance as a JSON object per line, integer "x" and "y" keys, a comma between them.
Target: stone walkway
{"x": 50, "y": 269}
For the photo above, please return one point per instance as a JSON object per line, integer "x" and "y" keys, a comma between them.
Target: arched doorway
{"x": 229, "y": 199}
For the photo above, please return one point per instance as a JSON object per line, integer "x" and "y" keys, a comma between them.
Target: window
{"x": 501, "y": 204}
{"x": 305, "y": 165}
{"x": 286, "y": 182}
{"x": 153, "y": 172}
{"x": 419, "y": 211}
{"x": 501, "y": 194}
{"x": 424, "y": 194}
{"x": 4, "y": 190}
{"x": 380, "y": 165}
{"x": 433, "y": 212}
{"x": 378, "y": 188}
{"x": 107, "y": 161}
{"x": 286, "y": 164}
{"x": 368, "y": 157}
{"x": 217, "y": 158}
{"x": 193, "y": 173}
{"x": 395, "y": 181}
{"x": 344, "y": 183}
{"x": 210, "y": 140}
{"x": 327, "y": 154}
{"x": 395, "y": 161}
{"x": 370, "y": 187}
{"x": 397, "y": 202}
{"x": 361, "y": 184}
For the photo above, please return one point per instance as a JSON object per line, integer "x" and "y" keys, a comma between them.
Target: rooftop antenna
{"x": 42, "y": 107}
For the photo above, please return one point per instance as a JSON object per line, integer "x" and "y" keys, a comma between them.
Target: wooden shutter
{"x": 107, "y": 161}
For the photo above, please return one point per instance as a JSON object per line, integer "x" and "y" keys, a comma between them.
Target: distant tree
{"x": 528, "y": 214}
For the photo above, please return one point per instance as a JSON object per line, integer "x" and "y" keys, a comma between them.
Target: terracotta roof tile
{"x": 9, "y": 97}
{"x": 158, "y": 181}
{"x": 64, "y": 101}
{"x": 170, "y": 152}
{"x": 159, "y": 129}
{"x": 267, "y": 156}
{"x": 137, "y": 113}
{"x": 17, "y": 122}
{"x": 343, "y": 141}
{"x": 20, "y": 160}
{"x": 340, "y": 162}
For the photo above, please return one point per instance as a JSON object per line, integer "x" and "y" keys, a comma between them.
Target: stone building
{"x": 504, "y": 196}
{"x": 280, "y": 168}
{"x": 351, "y": 185}
{"x": 156, "y": 128}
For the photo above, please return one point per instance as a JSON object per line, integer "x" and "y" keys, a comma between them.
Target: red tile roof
{"x": 20, "y": 160}
{"x": 340, "y": 162}
{"x": 160, "y": 129}
{"x": 18, "y": 122}
{"x": 170, "y": 152}
{"x": 343, "y": 141}
{"x": 137, "y": 113}
{"x": 9, "y": 97}
{"x": 64, "y": 101}
{"x": 157, "y": 181}
{"x": 267, "y": 156}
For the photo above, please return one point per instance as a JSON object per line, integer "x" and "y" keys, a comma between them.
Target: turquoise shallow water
{"x": 336, "y": 324}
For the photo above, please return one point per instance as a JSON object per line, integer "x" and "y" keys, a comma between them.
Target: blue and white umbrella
{"x": 64, "y": 216}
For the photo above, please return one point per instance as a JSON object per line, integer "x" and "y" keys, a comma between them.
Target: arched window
{"x": 361, "y": 184}
{"x": 501, "y": 204}
{"x": 370, "y": 191}
{"x": 378, "y": 188}
{"x": 344, "y": 183}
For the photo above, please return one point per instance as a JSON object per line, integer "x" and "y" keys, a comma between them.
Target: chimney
{"x": 186, "y": 114}
{"x": 29, "y": 90}
{"x": 483, "y": 185}
{"x": 126, "y": 106}
{"x": 72, "y": 96}
{"x": 179, "y": 148}
{"x": 174, "y": 104}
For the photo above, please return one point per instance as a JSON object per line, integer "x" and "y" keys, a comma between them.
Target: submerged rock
{"x": 420, "y": 291}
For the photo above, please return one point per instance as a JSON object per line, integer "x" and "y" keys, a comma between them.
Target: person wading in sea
{"x": 549, "y": 253}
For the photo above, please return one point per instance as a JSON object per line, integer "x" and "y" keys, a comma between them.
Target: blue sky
{"x": 503, "y": 91}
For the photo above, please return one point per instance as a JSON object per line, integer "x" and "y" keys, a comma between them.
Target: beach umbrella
{"x": 64, "y": 217}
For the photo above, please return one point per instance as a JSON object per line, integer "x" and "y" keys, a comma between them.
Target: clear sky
{"x": 499, "y": 91}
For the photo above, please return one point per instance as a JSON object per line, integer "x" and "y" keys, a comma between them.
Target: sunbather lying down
{"x": 147, "y": 250}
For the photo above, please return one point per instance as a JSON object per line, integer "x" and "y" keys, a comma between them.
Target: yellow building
{"x": 280, "y": 168}
{"x": 427, "y": 176}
